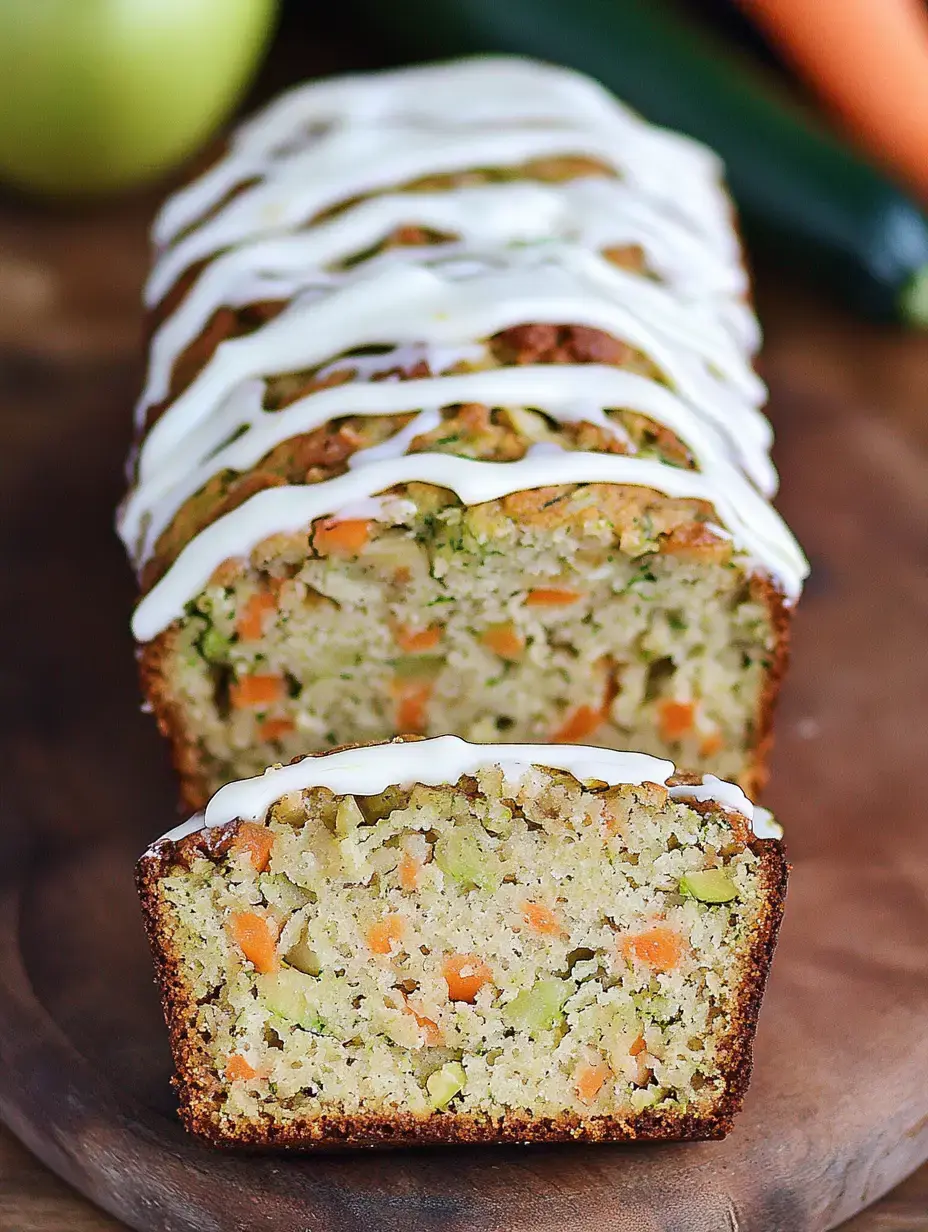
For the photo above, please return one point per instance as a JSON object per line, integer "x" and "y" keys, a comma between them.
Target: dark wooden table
{"x": 69, "y": 307}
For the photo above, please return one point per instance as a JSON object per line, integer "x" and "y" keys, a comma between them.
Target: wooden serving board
{"x": 838, "y": 1109}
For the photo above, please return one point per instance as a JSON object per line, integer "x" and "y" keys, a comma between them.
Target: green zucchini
{"x": 802, "y": 195}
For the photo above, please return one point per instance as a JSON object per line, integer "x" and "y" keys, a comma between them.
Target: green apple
{"x": 102, "y": 94}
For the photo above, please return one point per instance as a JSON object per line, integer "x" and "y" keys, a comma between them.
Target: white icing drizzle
{"x": 754, "y": 525}
{"x": 524, "y": 253}
{"x": 443, "y": 760}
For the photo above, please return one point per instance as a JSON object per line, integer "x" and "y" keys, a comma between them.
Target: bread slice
{"x": 432, "y": 941}
{"x": 451, "y": 425}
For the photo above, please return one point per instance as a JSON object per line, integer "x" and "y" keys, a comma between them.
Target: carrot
{"x": 541, "y": 919}
{"x": 255, "y": 841}
{"x": 341, "y": 538}
{"x": 554, "y": 596}
{"x": 659, "y": 948}
{"x": 255, "y": 691}
{"x": 238, "y": 1069}
{"x": 415, "y": 641}
{"x": 711, "y": 744}
{"x": 385, "y": 934}
{"x": 433, "y": 1035}
{"x": 254, "y": 937}
{"x": 275, "y": 729}
{"x": 409, "y": 869}
{"x": 675, "y": 719}
{"x": 250, "y": 623}
{"x": 579, "y": 723}
{"x": 868, "y": 59}
{"x": 589, "y": 1079}
{"x": 412, "y": 697}
{"x": 465, "y": 975}
{"x": 504, "y": 641}
{"x": 637, "y": 1046}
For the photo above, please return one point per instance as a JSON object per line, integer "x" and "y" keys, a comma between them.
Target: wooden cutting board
{"x": 838, "y": 1110}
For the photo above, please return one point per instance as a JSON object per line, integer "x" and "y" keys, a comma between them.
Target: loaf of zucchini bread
{"x": 450, "y": 425}
{"x": 440, "y": 941}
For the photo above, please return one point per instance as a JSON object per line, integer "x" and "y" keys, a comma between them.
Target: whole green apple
{"x": 101, "y": 94}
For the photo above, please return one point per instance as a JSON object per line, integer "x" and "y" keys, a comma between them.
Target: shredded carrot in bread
{"x": 579, "y": 724}
{"x": 415, "y": 641}
{"x": 430, "y": 1028}
{"x": 660, "y": 948}
{"x": 255, "y": 841}
{"x": 250, "y": 692}
{"x": 465, "y": 975}
{"x": 541, "y": 919}
{"x": 341, "y": 538}
{"x": 711, "y": 744}
{"x": 251, "y": 620}
{"x": 637, "y": 1046}
{"x": 238, "y": 1069}
{"x": 275, "y": 729}
{"x": 412, "y": 698}
{"x": 552, "y": 596}
{"x": 385, "y": 934}
{"x": 254, "y": 937}
{"x": 675, "y": 719}
{"x": 589, "y": 1079}
{"x": 409, "y": 869}
{"x": 504, "y": 641}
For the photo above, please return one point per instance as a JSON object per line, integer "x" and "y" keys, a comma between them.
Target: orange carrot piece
{"x": 409, "y": 869}
{"x": 238, "y": 1069}
{"x": 275, "y": 729}
{"x": 541, "y": 919}
{"x": 251, "y": 620}
{"x": 465, "y": 975}
{"x": 256, "y": 841}
{"x": 254, "y": 937}
{"x": 711, "y": 744}
{"x": 868, "y": 59}
{"x": 415, "y": 641}
{"x": 412, "y": 698}
{"x": 637, "y": 1046}
{"x": 385, "y": 934}
{"x": 341, "y": 538}
{"x": 552, "y": 596}
{"x": 579, "y": 724}
{"x": 250, "y": 692}
{"x": 675, "y": 719}
{"x": 589, "y": 1080}
{"x": 659, "y": 948}
{"x": 433, "y": 1035}
{"x": 504, "y": 641}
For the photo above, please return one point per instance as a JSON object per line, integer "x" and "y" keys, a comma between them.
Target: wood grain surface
{"x": 838, "y": 1110}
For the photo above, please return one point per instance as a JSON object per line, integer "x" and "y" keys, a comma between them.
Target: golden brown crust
{"x": 200, "y": 1091}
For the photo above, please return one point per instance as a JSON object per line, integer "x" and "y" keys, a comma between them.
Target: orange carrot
{"x": 553, "y": 596}
{"x": 275, "y": 729}
{"x": 341, "y": 538}
{"x": 433, "y": 1035}
{"x": 250, "y": 623}
{"x": 412, "y": 697}
{"x": 385, "y": 934}
{"x": 579, "y": 724}
{"x": 255, "y": 841}
{"x": 541, "y": 919}
{"x": 238, "y": 1069}
{"x": 409, "y": 869}
{"x": 711, "y": 744}
{"x": 415, "y": 641}
{"x": 465, "y": 975}
{"x": 637, "y": 1046}
{"x": 659, "y": 948}
{"x": 252, "y": 692}
{"x": 589, "y": 1079}
{"x": 675, "y": 719}
{"x": 504, "y": 641}
{"x": 254, "y": 937}
{"x": 868, "y": 59}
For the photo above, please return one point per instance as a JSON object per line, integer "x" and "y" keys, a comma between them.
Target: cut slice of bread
{"x": 430, "y": 941}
